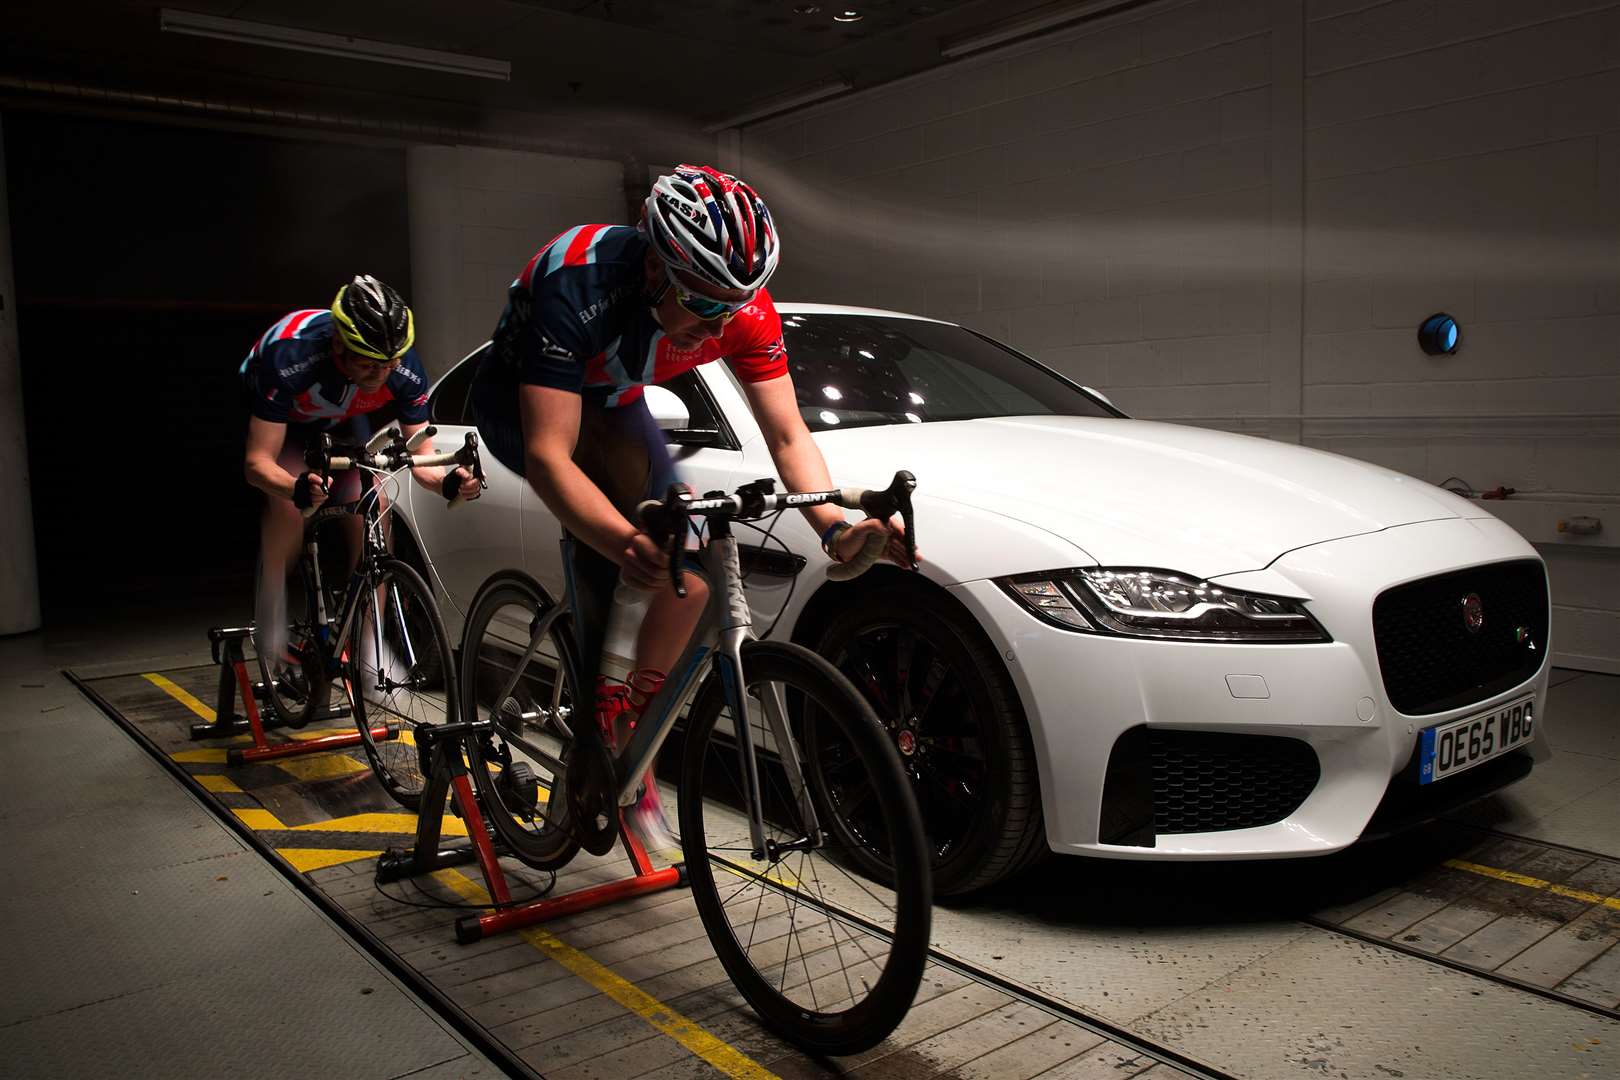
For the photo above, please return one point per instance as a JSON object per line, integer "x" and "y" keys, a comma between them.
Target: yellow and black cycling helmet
{"x": 372, "y": 319}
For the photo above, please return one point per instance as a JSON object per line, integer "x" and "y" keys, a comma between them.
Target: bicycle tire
{"x": 892, "y": 916}
{"x": 416, "y": 629}
{"x": 538, "y": 711}
{"x": 297, "y": 689}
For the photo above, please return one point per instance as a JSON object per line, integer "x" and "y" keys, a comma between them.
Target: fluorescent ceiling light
{"x": 349, "y": 48}
{"x": 772, "y": 106}
{"x": 1021, "y": 28}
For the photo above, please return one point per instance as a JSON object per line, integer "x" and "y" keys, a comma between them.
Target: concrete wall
{"x": 477, "y": 216}
{"x": 19, "y": 575}
{"x": 1236, "y": 213}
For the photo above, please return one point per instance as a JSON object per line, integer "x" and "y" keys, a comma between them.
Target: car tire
{"x": 1002, "y": 831}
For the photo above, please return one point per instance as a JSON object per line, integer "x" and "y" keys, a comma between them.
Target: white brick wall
{"x": 1237, "y": 212}
{"x": 477, "y": 215}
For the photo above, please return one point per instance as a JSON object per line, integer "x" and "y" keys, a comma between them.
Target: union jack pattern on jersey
{"x": 291, "y": 378}
{"x": 577, "y": 319}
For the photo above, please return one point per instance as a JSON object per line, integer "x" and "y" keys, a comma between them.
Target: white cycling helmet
{"x": 713, "y": 226}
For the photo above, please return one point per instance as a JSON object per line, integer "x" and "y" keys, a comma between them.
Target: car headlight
{"x": 1161, "y": 604}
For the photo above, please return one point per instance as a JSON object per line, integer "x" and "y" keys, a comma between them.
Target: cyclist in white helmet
{"x": 596, "y": 315}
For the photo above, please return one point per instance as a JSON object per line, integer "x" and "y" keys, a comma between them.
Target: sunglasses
{"x": 366, "y": 363}
{"x": 705, "y": 307}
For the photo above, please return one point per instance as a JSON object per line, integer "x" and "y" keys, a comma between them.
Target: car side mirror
{"x": 669, "y": 412}
{"x": 666, "y": 408}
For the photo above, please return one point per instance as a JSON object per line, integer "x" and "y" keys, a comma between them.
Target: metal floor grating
{"x": 1543, "y": 917}
{"x": 571, "y": 1000}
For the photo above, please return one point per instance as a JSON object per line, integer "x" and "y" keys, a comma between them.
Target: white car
{"x": 1128, "y": 639}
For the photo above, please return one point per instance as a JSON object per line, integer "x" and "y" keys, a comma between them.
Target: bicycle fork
{"x": 736, "y": 627}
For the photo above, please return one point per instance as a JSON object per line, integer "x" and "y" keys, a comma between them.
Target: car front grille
{"x": 1162, "y": 782}
{"x": 1431, "y": 661}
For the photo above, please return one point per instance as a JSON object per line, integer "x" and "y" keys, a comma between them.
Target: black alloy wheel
{"x": 950, "y": 709}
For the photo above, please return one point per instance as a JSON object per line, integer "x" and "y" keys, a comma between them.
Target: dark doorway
{"x": 148, "y": 259}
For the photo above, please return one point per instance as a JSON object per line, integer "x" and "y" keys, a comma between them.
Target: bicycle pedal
{"x": 591, "y": 796}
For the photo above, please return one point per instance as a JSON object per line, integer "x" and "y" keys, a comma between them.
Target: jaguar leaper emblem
{"x": 1473, "y": 613}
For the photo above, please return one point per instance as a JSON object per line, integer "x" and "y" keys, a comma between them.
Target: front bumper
{"x": 1085, "y": 693}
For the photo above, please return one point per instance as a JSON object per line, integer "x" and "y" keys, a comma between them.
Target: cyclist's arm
{"x": 264, "y": 442}
{"x": 550, "y": 432}
{"x": 432, "y": 476}
{"x": 800, "y": 464}
{"x": 798, "y": 459}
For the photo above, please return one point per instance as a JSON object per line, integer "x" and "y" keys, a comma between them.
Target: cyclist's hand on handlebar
{"x": 643, "y": 564}
{"x": 309, "y": 491}
{"x": 459, "y": 483}
{"x": 853, "y": 539}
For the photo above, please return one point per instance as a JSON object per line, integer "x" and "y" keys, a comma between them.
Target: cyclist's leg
{"x": 630, "y": 461}
{"x": 281, "y": 534}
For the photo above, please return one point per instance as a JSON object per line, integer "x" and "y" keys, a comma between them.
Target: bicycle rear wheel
{"x": 297, "y": 688}
{"x": 390, "y": 685}
{"x": 829, "y": 957}
{"x": 518, "y": 768}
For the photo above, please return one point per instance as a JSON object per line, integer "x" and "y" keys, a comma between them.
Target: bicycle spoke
{"x": 809, "y": 935}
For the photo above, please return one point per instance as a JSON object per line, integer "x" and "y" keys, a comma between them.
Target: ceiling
{"x": 578, "y": 66}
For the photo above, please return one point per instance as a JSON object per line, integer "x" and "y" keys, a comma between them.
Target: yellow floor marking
{"x": 199, "y": 757}
{"x": 320, "y": 766}
{"x": 305, "y": 734}
{"x": 219, "y": 785}
{"x": 381, "y": 823}
{"x": 259, "y": 819}
{"x": 1536, "y": 883}
{"x": 724, "y": 1057}
{"x": 750, "y": 873}
{"x": 180, "y": 695}
{"x": 306, "y": 859}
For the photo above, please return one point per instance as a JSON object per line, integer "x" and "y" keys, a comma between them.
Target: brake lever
{"x": 476, "y": 463}
{"x": 902, "y": 487}
{"x": 675, "y": 522}
{"x": 896, "y": 499}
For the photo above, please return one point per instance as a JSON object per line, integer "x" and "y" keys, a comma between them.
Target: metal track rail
{"x": 1062, "y": 1010}
{"x": 1491, "y": 976}
{"x": 426, "y": 992}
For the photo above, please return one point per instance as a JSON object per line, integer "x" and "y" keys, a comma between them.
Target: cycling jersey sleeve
{"x": 409, "y": 385}
{"x": 555, "y": 346}
{"x": 571, "y": 286}
{"x": 271, "y": 392}
{"x": 760, "y": 353}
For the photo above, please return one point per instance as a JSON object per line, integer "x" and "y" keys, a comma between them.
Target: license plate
{"x": 1462, "y": 744}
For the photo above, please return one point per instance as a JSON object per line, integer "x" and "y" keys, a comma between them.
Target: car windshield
{"x": 866, "y": 370}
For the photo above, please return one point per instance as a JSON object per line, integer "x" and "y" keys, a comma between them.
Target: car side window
{"x": 699, "y": 409}
{"x": 449, "y": 404}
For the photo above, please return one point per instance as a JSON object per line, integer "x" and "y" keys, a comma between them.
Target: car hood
{"x": 1137, "y": 493}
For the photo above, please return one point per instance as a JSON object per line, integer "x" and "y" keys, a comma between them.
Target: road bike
{"x": 382, "y": 640}
{"x": 780, "y": 759}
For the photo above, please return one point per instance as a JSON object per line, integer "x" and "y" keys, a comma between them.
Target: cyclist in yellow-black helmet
{"x": 348, "y": 370}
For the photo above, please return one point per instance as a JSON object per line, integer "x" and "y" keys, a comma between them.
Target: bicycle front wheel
{"x": 396, "y": 650}
{"x": 829, "y": 956}
{"x": 519, "y": 767}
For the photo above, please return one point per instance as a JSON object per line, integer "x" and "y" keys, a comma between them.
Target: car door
{"x": 466, "y": 542}
{"x": 706, "y": 456}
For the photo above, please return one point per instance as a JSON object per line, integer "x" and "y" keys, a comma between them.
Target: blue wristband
{"x": 831, "y": 534}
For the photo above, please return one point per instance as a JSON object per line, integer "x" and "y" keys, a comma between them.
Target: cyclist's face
{"x": 361, "y": 370}
{"x": 686, "y": 330}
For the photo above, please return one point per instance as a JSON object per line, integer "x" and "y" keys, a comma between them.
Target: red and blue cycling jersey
{"x": 577, "y": 319}
{"x": 291, "y": 378}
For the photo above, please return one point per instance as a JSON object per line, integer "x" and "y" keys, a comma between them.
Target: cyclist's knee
{"x": 697, "y": 589}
